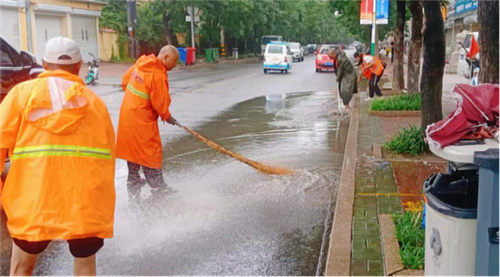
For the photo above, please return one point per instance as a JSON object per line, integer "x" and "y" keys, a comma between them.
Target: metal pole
{"x": 374, "y": 25}
{"x": 28, "y": 25}
{"x": 132, "y": 21}
{"x": 192, "y": 26}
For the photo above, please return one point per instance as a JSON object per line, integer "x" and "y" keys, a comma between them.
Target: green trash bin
{"x": 209, "y": 55}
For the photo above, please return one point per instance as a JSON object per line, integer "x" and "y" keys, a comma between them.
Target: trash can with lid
{"x": 209, "y": 55}
{"x": 182, "y": 54}
{"x": 450, "y": 227}
{"x": 191, "y": 56}
{"x": 487, "y": 251}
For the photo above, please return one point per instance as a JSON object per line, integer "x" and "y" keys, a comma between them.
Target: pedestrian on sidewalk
{"x": 346, "y": 76}
{"x": 146, "y": 99}
{"x": 372, "y": 68}
{"x": 61, "y": 144}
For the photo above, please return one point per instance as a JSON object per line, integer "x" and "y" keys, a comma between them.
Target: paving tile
{"x": 362, "y": 267}
{"x": 365, "y": 213}
{"x": 361, "y": 226}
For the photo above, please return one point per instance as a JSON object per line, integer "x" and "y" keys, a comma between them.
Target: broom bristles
{"x": 263, "y": 168}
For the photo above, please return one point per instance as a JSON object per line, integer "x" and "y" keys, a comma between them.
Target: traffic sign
{"x": 196, "y": 18}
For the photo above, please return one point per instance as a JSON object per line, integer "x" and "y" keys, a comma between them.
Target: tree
{"x": 431, "y": 85}
{"x": 488, "y": 41}
{"x": 415, "y": 7}
{"x": 398, "y": 81}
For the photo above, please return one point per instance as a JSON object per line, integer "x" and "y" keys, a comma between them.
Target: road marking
{"x": 221, "y": 82}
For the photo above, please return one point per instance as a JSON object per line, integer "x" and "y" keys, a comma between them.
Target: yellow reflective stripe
{"x": 60, "y": 150}
{"x": 60, "y": 154}
{"x": 138, "y": 92}
{"x": 19, "y": 150}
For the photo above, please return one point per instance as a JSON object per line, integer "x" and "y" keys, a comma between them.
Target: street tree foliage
{"x": 244, "y": 22}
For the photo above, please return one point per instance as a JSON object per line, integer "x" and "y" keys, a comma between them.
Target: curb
{"x": 390, "y": 245}
{"x": 339, "y": 253}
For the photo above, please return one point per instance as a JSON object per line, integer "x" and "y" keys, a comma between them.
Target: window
{"x": 6, "y": 57}
{"x": 275, "y": 49}
{"x": 295, "y": 45}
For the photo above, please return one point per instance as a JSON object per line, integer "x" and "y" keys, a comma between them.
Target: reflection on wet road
{"x": 228, "y": 219}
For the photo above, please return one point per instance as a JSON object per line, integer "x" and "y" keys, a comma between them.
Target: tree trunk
{"x": 169, "y": 36}
{"x": 398, "y": 79}
{"x": 431, "y": 85}
{"x": 488, "y": 41}
{"x": 417, "y": 16}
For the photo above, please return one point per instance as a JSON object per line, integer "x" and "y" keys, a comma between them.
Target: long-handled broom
{"x": 263, "y": 168}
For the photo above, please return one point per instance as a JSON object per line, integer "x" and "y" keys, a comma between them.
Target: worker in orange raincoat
{"x": 146, "y": 98}
{"x": 61, "y": 145}
{"x": 373, "y": 69}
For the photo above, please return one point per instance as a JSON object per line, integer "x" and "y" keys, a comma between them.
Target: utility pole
{"x": 374, "y": 26}
{"x": 28, "y": 25}
{"x": 193, "y": 15}
{"x": 132, "y": 22}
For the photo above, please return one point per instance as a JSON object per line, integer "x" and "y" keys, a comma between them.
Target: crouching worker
{"x": 346, "y": 76}
{"x": 61, "y": 145}
{"x": 146, "y": 99}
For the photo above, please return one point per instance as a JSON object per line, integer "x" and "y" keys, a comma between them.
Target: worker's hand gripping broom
{"x": 263, "y": 168}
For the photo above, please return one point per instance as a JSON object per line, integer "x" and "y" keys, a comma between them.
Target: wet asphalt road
{"x": 228, "y": 219}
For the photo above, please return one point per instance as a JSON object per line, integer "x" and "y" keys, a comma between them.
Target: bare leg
{"x": 85, "y": 266}
{"x": 347, "y": 107}
{"x": 22, "y": 263}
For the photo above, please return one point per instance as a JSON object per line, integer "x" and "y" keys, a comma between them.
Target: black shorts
{"x": 79, "y": 248}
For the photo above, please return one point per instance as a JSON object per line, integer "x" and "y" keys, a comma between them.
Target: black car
{"x": 16, "y": 67}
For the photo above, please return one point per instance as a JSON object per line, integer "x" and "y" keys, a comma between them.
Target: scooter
{"x": 93, "y": 72}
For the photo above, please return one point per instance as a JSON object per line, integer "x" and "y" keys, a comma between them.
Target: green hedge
{"x": 403, "y": 102}
{"x": 407, "y": 141}
{"x": 411, "y": 237}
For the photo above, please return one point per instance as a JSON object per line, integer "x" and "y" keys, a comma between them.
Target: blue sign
{"x": 462, "y": 6}
{"x": 382, "y": 11}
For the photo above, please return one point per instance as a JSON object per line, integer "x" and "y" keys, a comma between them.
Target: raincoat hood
{"x": 150, "y": 64}
{"x": 58, "y": 103}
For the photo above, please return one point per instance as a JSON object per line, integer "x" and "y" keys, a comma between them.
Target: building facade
{"x": 76, "y": 19}
{"x": 461, "y": 16}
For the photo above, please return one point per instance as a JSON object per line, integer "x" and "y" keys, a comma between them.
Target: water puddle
{"x": 228, "y": 219}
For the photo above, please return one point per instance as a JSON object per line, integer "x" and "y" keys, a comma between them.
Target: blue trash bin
{"x": 182, "y": 54}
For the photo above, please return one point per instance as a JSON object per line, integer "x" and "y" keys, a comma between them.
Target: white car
{"x": 297, "y": 51}
{"x": 277, "y": 57}
{"x": 463, "y": 68}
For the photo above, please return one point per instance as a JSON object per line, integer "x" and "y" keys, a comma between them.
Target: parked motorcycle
{"x": 93, "y": 71}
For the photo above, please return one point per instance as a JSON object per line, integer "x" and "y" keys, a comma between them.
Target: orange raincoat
{"x": 61, "y": 146}
{"x": 146, "y": 97}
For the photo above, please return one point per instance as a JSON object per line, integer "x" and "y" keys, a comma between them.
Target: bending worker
{"x": 61, "y": 143}
{"x": 146, "y": 98}
{"x": 346, "y": 76}
{"x": 374, "y": 68}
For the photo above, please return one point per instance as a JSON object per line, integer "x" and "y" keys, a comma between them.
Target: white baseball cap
{"x": 62, "y": 50}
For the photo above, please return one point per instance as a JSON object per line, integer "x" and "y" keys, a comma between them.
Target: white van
{"x": 277, "y": 56}
{"x": 463, "y": 68}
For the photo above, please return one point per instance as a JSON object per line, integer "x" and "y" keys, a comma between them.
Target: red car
{"x": 323, "y": 61}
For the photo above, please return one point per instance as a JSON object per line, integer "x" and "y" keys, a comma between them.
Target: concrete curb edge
{"x": 339, "y": 253}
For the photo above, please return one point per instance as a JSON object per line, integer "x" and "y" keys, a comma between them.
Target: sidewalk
{"x": 388, "y": 184}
